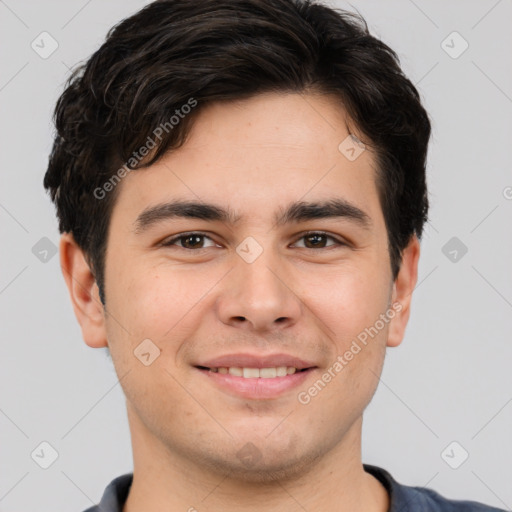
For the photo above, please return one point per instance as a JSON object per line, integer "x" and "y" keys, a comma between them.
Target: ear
{"x": 83, "y": 291}
{"x": 403, "y": 287}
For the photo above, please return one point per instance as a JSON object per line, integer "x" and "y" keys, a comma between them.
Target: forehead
{"x": 258, "y": 155}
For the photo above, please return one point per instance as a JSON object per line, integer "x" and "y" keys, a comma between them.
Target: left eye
{"x": 312, "y": 240}
{"x": 315, "y": 240}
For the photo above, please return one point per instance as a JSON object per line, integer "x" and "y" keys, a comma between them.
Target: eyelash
{"x": 171, "y": 241}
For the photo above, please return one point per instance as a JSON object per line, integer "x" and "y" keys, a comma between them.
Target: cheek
{"x": 161, "y": 302}
{"x": 149, "y": 304}
{"x": 346, "y": 299}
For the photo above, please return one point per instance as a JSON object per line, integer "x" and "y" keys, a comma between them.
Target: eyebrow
{"x": 299, "y": 211}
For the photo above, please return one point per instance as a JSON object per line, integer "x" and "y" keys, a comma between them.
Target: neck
{"x": 169, "y": 480}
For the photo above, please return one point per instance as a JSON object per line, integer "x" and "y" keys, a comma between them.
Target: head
{"x": 247, "y": 106}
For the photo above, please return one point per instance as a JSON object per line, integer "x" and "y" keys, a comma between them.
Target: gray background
{"x": 449, "y": 381}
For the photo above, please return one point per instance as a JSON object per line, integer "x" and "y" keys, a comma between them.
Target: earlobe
{"x": 83, "y": 292}
{"x": 403, "y": 287}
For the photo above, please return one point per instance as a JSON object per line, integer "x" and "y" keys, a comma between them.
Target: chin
{"x": 253, "y": 465}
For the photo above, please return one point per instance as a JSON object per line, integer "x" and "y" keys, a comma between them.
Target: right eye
{"x": 191, "y": 241}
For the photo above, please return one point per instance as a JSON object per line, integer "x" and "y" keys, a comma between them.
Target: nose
{"x": 259, "y": 296}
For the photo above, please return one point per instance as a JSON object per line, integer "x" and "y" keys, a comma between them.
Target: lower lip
{"x": 257, "y": 388}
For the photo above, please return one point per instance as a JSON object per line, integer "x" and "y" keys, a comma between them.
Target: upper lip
{"x": 256, "y": 361}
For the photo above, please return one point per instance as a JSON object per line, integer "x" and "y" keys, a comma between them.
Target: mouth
{"x": 257, "y": 378}
{"x": 255, "y": 373}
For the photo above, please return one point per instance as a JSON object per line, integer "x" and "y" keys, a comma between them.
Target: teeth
{"x": 254, "y": 373}
{"x": 267, "y": 373}
{"x": 250, "y": 373}
{"x": 281, "y": 371}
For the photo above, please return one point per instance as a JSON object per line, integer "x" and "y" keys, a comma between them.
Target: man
{"x": 241, "y": 189}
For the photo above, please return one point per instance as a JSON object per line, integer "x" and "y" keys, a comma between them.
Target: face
{"x": 267, "y": 287}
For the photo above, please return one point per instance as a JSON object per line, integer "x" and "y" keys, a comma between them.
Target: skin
{"x": 254, "y": 156}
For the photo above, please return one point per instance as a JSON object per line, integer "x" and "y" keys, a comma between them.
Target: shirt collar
{"x": 116, "y": 493}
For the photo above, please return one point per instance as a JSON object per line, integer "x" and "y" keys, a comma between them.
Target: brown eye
{"x": 189, "y": 241}
{"x": 318, "y": 241}
{"x": 192, "y": 241}
{"x": 313, "y": 241}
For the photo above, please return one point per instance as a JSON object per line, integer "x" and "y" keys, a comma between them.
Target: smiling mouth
{"x": 256, "y": 373}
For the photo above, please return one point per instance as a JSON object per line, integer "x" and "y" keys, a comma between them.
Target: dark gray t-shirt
{"x": 403, "y": 498}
